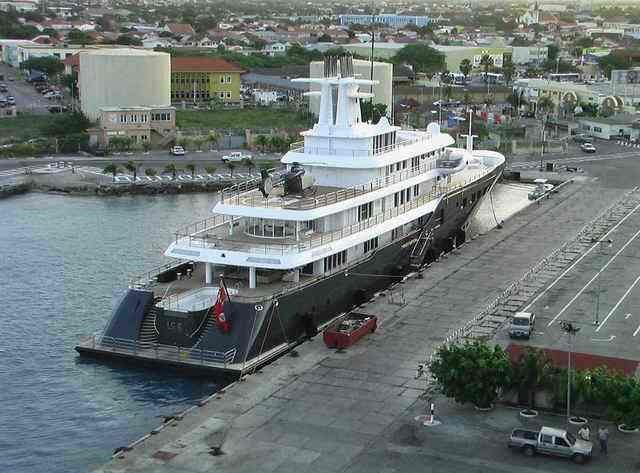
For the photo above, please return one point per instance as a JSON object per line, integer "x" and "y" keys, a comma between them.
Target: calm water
{"x": 63, "y": 262}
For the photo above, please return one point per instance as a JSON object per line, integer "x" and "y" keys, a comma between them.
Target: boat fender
{"x": 121, "y": 450}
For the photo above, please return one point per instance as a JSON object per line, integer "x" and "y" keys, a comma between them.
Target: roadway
{"x": 28, "y": 100}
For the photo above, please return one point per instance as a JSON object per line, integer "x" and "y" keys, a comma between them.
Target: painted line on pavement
{"x": 604, "y": 321}
{"x": 579, "y": 293}
{"x": 637, "y": 330}
{"x": 626, "y": 316}
{"x": 563, "y": 274}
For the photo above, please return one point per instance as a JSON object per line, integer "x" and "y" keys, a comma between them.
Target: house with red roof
{"x": 201, "y": 79}
{"x": 182, "y": 29}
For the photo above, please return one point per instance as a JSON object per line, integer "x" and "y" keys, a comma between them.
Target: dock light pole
{"x": 609, "y": 244}
{"x": 571, "y": 332}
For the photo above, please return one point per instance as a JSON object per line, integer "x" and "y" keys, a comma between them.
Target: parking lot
{"x": 27, "y": 99}
{"x": 599, "y": 294}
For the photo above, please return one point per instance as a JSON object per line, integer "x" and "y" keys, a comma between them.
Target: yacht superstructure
{"x": 355, "y": 206}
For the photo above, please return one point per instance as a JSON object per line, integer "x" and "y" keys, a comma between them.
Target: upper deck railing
{"x": 255, "y": 199}
{"x": 198, "y": 235}
{"x": 300, "y": 147}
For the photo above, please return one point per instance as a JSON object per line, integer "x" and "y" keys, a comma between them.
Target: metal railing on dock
{"x": 159, "y": 351}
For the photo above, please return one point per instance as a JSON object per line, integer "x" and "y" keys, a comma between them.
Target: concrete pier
{"x": 328, "y": 411}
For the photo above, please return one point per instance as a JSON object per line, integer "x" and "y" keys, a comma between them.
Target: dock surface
{"x": 352, "y": 411}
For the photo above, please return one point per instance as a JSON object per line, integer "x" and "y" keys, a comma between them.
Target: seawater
{"x": 64, "y": 262}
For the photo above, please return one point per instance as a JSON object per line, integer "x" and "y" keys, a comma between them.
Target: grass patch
{"x": 262, "y": 118}
{"x": 23, "y": 127}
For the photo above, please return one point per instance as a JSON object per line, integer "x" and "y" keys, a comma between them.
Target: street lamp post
{"x": 571, "y": 331}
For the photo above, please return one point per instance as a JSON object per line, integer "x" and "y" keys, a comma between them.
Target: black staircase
{"x": 148, "y": 334}
{"x": 209, "y": 326}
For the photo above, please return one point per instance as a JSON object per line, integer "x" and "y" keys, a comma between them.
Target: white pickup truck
{"x": 550, "y": 441}
{"x": 236, "y": 157}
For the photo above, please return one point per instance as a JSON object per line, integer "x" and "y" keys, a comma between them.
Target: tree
{"x": 51, "y": 66}
{"x": 248, "y": 163}
{"x": 199, "y": 141}
{"x": 472, "y": 372}
{"x": 210, "y": 169}
{"x": 213, "y": 139}
{"x": 530, "y": 373}
{"x": 50, "y": 32}
{"x": 421, "y": 57}
{"x": 132, "y": 168}
{"x": 171, "y": 168}
{"x": 486, "y": 62}
{"x": 67, "y": 123}
{"x": 151, "y": 172}
{"x": 146, "y": 146}
{"x": 231, "y": 166}
{"x": 261, "y": 142}
{"x": 615, "y": 60}
{"x": 447, "y": 79}
{"x": 128, "y": 40}
{"x": 191, "y": 168}
{"x": 111, "y": 169}
{"x": 76, "y": 36}
{"x": 508, "y": 70}
{"x": 325, "y": 38}
{"x": 372, "y": 112}
{"x": 466, "y": 67}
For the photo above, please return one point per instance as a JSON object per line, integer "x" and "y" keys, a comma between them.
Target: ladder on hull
{"x": 421, "y": 245}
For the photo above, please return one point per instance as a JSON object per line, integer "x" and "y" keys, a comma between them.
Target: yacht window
{"x": 395, "y": 233}
{"x": 407, "y": 191}
{"x": 404, "y": 164}
{"x": 396, "y": 199}
{"x": 416, "y": 190}
{"x": 365, "y": 211}
{"x": 370, "y": 245}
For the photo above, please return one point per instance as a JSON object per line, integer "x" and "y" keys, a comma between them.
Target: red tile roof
{"x": 73, "y": 60}
{"x": 203, "y": 64}
{"x": 181, "y": 28}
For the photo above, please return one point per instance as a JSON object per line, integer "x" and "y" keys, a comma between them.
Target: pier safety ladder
{"x": 420, "y": 247}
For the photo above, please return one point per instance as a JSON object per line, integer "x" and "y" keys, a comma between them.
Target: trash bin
{"x": 549, "y": 167}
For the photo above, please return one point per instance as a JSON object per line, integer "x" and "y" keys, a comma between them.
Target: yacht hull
{"x": 264, "y": 329}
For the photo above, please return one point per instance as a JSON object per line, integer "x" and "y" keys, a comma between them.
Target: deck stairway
{"x": 421, "y": 246}
{"x": 148, "y": 333}
{"x": 209, "y": 326}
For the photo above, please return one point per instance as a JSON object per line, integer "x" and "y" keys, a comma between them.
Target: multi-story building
{"x": 394, "y": 21}
{"x": 198, "y": 79}
{"x": 152, "y": 125}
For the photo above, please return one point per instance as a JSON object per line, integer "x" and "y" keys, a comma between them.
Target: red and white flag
{"x": 218, "y": 310}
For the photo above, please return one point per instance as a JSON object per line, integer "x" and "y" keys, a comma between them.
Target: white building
{"x": 19, "y": 5}
{"x": 395, "y": 21}
{"x": 529, "y": 54}
{"x": 123, "y": 78}
{"x": 382, "y": 72}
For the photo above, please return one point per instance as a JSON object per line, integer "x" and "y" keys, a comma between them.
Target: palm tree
{"x": 508, "y": 70}
{"x": 231, "y": 166}
{"x": 210, "y": 169}
{"x": 487, "y": 63}
{"x": 111, "y": 169}
{"x": 466, "y": 67}
{"x": 191, "y": 168}
{"x": 213, "y": 138}
{"x": 249, "y": 164}
{"x": 171, "y": 168}
{"x": 150, "y": 172}
{"x": 544, "y": 107}
{"x": 261, "y": 141}
{"x": 132, "y": 168}
{"x": 146, "y": 146}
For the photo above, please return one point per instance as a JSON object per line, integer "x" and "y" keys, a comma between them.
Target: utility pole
{"x": 571, "y": 332}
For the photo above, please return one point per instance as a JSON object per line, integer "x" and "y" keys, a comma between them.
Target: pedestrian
{"x": 584, "y": 433}
{"x": 603, "y": 436}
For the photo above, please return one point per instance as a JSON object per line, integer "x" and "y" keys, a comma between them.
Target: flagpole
{"x": 224, "y": 286}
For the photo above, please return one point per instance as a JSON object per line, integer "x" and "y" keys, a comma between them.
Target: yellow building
{"x": 198, "y": 79}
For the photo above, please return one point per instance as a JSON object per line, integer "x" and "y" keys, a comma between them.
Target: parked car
{"x": 588, "y": 148}
{"x": 236, "y": 157}
{"x": 11, "y": 100}
{"x": 3, "y": 102}
{"x": 550, "y": 441}
{"x": 3, "y": 88}
{"x": 522, "y": 325}
{"x": 57, "y": 109}
{"x": 581, "y": 138}
{"x": 177, "y": 151}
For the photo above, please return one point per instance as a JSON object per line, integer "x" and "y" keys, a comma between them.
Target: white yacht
{"x": 356, "y": 206}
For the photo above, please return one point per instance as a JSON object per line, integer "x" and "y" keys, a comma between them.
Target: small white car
{"x": 588, "y": 148}
{"x": 522, "y": 325}
{"x": 177, "y": 151}
{"x": 236, "y": 157}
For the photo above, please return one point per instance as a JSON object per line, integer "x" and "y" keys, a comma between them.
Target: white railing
{"x": 227, "y": 242}
{"x": 163, "y": 352}
{"x": 300, "y": 147}
{"x": 306, "y": 203}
